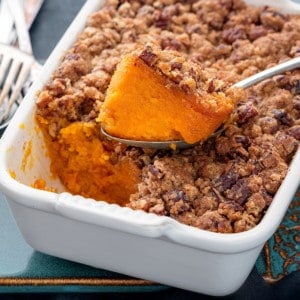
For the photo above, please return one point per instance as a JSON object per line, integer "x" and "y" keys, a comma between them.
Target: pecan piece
{"x": 282, "y": 116}
{"x": 295, "y": 132}
{"x": 230, "y": 35}
{"x": 246, "y": 112}
{"x": 148, "y": 56}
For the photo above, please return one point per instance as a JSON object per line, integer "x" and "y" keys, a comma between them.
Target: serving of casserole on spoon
{"x": 158, "y": 99}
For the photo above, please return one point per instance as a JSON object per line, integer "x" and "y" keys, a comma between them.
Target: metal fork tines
{"x": 15, "y": 67}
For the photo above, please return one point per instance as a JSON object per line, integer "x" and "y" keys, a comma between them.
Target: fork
{"x": 15, "y": 65}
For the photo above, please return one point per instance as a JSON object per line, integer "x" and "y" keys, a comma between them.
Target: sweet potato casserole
{"x": 223, "y": 185}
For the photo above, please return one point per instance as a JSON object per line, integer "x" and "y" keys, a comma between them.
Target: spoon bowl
{"x": 179, "y": 144}
{"x": 243, "y": 84}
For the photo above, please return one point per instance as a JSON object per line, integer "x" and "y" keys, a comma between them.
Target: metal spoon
{"x": 245, "y": 83}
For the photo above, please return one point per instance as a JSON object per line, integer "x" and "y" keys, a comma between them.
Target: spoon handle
{"x": 283, "y": 67}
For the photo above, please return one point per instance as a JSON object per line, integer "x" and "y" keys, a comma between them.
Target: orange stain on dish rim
{"x": 41, "y": 185}
{"x": 12, "y": 174}
{"x": 22, "y": 126}
{"x": 27, "y": 160}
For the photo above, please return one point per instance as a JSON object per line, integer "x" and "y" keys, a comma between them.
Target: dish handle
{"x": 112, "y": 216}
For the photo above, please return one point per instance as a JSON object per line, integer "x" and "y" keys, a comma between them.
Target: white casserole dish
{"x": 115, "y": 238}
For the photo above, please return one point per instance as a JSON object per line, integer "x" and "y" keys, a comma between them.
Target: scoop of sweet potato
{"x": 142, "y": 104}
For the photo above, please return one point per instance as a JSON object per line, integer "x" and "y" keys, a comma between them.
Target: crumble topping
{"x": 226, "y": 184}
{"x": 184, "y": 72}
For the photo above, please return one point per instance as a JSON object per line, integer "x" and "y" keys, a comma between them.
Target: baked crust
{"x": 225, "y": 185}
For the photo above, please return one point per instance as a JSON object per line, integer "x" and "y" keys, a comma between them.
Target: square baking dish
{"x": 115, "y": 238}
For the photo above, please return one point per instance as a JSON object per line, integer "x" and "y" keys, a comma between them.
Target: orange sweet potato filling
{"x": 85, "y": 167}
{"x": 141, "y": 104}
